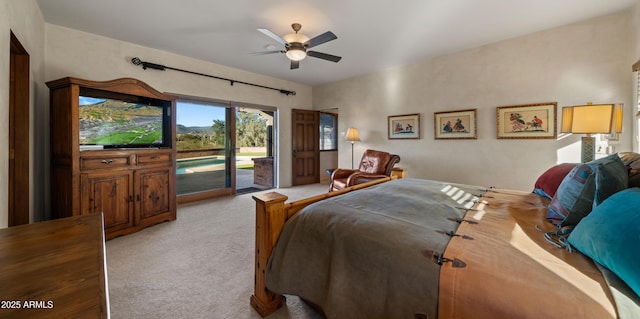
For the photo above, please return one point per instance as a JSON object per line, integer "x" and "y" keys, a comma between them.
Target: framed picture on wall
{"x": 527, "y": 121}
{"x": 405, "y": 126}
{"x": 455, "y": 125}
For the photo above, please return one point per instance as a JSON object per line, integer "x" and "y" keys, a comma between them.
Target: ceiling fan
{"x": 296, "y": 45}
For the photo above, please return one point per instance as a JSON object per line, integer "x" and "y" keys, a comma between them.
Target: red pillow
{"x": 548, "y": 183}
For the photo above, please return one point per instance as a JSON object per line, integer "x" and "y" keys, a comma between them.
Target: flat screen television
{"x": 113, "y": 120}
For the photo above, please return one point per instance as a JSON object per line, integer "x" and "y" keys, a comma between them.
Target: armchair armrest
{"x": 359, "y": 178}
{"x": 342, "y": 173}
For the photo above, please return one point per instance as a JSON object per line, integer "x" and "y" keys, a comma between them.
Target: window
{"x": 328, "y": 131}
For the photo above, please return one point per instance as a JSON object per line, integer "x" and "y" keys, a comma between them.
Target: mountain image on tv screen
{"x": 118, "y": 123}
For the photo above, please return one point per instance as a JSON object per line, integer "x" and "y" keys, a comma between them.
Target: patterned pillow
{"x": 610, "y": 236}
{"x": 585, "y": 187}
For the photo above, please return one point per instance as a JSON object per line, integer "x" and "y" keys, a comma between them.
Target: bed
{"x": 412, "y": 248}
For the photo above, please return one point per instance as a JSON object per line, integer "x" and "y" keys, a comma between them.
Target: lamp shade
{"x": 616, "y": 120}
{"x": 567, "y": 119}
{"x": 352, "y": 135}
{"x": 592, "y": 119}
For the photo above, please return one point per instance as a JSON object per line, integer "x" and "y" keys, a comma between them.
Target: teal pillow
{"x": 585, "y": 187}
{"x": 610, "y": 235}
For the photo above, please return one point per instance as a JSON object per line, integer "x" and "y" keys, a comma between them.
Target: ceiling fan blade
{"x": 266, "y": 52}
{"x": 273, "y": 36}
{"x": 325, "y": 37}
{"x": 295, "y": 64}
{"x": 324, "y": 56}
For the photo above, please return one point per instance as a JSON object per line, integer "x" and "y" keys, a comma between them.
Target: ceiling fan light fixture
{"x": 296, "y": 45}
{"x": 296, "y": 54}
{"x": 295, "y": 37}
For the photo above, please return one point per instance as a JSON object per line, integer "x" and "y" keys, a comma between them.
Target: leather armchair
{"x": 373, "y": 165}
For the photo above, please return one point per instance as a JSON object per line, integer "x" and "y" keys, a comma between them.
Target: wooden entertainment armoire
{"x": 132, "y": 187}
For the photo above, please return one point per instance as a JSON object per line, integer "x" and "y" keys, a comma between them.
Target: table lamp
{"x": 591, "y": 119}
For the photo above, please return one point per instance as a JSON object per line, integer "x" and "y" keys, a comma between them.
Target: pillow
{"x": 585, "y": 187}
{"x": 634, "y": 177}
{"x": 548, "y": 182}
{"x": 610, "y": 236}
{"x": 632, "y": 162}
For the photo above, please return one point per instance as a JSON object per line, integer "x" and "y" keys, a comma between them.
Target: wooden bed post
{"x": 270, "y": 218}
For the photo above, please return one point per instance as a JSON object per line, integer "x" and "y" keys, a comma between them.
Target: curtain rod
{"x": 155, "y": 66}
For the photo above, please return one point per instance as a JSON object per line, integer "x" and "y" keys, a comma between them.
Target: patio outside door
{"x": 222, "y": 149}
{"x": 255, "y": 161}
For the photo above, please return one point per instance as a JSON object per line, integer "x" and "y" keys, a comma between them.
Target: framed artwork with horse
{"x": 527, "y": 121}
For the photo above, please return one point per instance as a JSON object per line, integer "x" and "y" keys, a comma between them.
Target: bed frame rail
{"x": 271, "y": 214}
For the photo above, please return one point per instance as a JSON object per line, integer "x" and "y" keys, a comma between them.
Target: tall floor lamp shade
{"x": 591, "y": 119}
{"x": 352, "y": 136}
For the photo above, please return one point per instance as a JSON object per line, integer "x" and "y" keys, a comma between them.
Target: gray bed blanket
{"x": 369, "y": 253}
{"x": 627, "y": 302}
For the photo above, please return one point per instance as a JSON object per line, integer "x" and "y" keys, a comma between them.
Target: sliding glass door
{"x": 255, "y": 147}
{"x": 223, "y": 148}
{"x": 204, "y": 157}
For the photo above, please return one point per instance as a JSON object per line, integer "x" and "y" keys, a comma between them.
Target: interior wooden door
{"x": 18, "y": 134}
{"x": 306, "y": 147}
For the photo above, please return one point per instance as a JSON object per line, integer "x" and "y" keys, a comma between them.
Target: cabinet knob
{"x": 107, "y": 161}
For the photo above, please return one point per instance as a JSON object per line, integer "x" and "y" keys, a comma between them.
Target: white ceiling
{"x": 372, "y": 34}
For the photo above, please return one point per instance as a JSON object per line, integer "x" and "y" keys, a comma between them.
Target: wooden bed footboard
{"x": 271, "y": 214}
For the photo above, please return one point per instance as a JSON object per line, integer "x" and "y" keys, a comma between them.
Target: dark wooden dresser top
{"x": 54, "y": 269}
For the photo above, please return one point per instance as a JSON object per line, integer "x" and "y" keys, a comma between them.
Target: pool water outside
{"x": 206, "y": 164}
{"x": 199, "y": 164}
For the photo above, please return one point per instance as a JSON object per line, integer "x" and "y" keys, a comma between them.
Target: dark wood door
{"x": 18, "y": 134}
{"x": 306, "y": 148}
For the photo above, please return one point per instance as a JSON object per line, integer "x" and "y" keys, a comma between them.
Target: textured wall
{"x": 571, "y": 65}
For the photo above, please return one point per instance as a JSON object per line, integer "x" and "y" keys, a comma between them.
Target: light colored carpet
{"x": 198, "y": 266}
